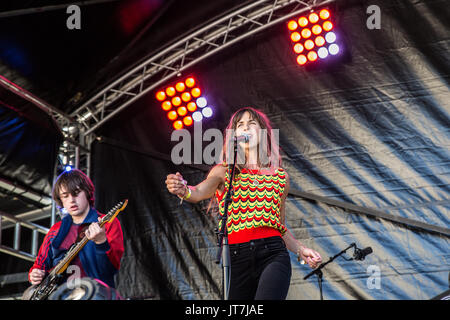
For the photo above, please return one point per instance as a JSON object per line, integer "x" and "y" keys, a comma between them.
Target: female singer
{"x": 257, "y": 236}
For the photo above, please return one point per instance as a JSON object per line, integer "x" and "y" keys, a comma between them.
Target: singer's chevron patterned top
{"x": 254, "y": 205}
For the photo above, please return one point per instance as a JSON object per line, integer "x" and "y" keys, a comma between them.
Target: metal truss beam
{"x": 183, "y": 54}
{"x": 75, "y": 148}
{"x": 18, "y": 224}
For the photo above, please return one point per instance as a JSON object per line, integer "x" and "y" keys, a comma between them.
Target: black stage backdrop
{"x": 371, "y": 129}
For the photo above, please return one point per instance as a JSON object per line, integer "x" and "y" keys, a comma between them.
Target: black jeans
{"x": 260, "y": 270}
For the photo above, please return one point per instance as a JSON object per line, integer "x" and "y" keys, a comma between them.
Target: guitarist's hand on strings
{"x": 95, "y": 233}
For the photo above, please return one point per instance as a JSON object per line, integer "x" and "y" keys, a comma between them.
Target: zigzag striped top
{"x": 255, "y": 208}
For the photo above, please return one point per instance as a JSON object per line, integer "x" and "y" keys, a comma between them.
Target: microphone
{"x": 244, "y": 137}
{"x": 360, "y": 254}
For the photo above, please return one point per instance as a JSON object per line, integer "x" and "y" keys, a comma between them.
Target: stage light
{"x": 314, "y": 38}
{"x": 301, "y": 59}
{"x": 170, "y": 91}
{"x": 333, "y": 49}
{"x": 324, "y": 14}
{"x": 322, "y": 53}
{"x": 180, "y": 86}
{"x": 316, "y": 29}
{"x": 191, "y": 106}
{"x": 186, "y": 96}
{"x": 176, "y": 101}
{"x": 298, "y": 48}
{"x": 207, "y": 112}
{"x": 196, "y": 92}
{"x": 160, "y": 95}
{"x": 295, "y": 36}
{"x": 313, "y": 17}
{"x": 68, "y": 168}
{"x": 172, "y": 115}
{"x": 312, "y": 56}
{"x": 187, "y": 121}
{"x": 330, "y": 37}
{"x": 182, "y": 111}
{"x": 320, "y": 41}
{"x": 292, "y": 25}
{"x": 302, "y": 22}
{"x": 197, "y": 116}
{"x": 166, "y": 105}
{"x": 177, "y": 125}
{"x": 190, "y": 82}
{"x": 327, "y": 26}
{"x": 201, "y": 102}
{"x": 306, "y": 33}
{"x": 181, "y": 102}
{"x": 309, "y": 44}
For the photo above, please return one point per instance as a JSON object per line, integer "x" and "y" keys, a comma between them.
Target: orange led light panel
{"x": 311, "y": 36}
{"x": 179, "y": 101}
{"x": 312, "y": 56}
{"x": 186, "y": 96}
{"x": 176, "y": 101}
{"x": 301, "y": 59}
{"x": 177, "y": 125}
{"x": 292, "y": 25}
{"x": 295, "y": 36}
{"x": 170, "y": 91}
{"x": 324, "y": 14}
{"x": 166, "y": 105}
{"x": 180, "y": 86}
{"x": 190, "y": 82}
{"x": 309, "y": 44}
{"x": 188, "y": 120}
{"x": 313, "y": 17}
{"x": 327, "y": 26}
{"x": 298, "y": 48}
{"x": 196, "y": 92}
{"x": 172, "y": 115}
{"x": 320, "y": 41}
{"x": 316, "y": 29}
{"x": 191, "y": 106}
{"x": 306, "y": 33}
{"x": 302, "y": 22}
{"x": 182, "y": 111}
{"x": 160, "y": 95}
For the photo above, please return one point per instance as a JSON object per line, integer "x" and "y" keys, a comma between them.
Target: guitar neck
{"x": 70, "y": 255}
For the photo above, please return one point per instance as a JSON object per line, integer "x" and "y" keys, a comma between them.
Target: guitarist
{"x": 100, "y": 257}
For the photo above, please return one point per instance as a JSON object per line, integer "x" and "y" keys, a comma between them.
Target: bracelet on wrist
{"x": 187, "y": 194}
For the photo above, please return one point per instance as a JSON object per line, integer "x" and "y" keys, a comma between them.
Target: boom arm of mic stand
{"x": 318, "y": 270}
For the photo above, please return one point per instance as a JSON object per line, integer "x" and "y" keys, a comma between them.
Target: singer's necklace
{"x": 254, "y": 182}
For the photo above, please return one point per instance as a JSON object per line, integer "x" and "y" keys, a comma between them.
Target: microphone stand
{"x": 318, "y": 270}
{"x": 224, "y": 250}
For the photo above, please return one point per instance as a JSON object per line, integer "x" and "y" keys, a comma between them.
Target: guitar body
{"x": 43, "y": 290}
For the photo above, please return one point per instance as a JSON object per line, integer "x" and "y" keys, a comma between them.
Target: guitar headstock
{"x": 113, "y": 212}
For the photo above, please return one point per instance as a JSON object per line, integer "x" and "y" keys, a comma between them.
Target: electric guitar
{"x": 49, "y": 284}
